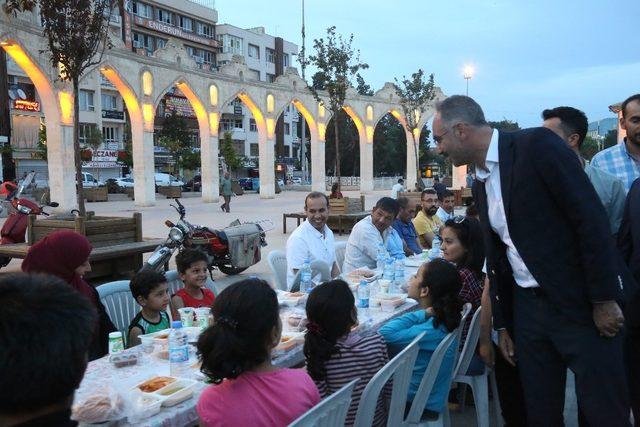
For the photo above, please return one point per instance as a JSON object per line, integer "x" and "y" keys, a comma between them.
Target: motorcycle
{"x": 231, "y": 250}
{"x": 15, "y": 227}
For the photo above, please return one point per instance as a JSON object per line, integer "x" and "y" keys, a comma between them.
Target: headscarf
{"x": 59, "y": 254}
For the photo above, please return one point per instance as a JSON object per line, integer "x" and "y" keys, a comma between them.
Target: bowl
{"x": 176, "y": 392}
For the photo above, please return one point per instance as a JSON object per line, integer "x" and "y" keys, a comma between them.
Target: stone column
{"x": 144, "y": 189}
{"x": 366, "y": 162}
{"x": 318, "y": 178}
{"x": 210, "y": 174}
{"x": 412, "y": 166}
{"x": 61, "y": 166}
{"x": 267, "y": 171}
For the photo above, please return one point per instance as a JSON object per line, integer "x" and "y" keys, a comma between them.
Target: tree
{"x": 41, "y": 147}
{"x": 77, "y": 36}
{"x": 175, "y": 137}
{"x": 505, "y": 125}
{"x": 228, "y": 152}
{"x": 93, "y": 140}
{"x": 611, "y": 139}
{"x": 414, "y": 94}
{"x": 589, "y": 148}
{"x": 337, "y": 63}
{"x": 362, "y": 87}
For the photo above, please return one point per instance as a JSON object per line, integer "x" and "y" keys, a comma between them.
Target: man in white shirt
{"x": 550, "y": 257}
{"x": 368, "y": 233}
{"x": 447, "y": 201}
{"x": 397, "y": 188}
{"x": 312, "y": 240}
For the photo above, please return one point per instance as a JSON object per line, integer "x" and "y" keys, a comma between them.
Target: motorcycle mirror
{"x": 53, "y": 204}
{"x": 169, "y": 224}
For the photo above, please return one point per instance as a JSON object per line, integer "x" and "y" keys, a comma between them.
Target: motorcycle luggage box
{"x": 244, "y": 244}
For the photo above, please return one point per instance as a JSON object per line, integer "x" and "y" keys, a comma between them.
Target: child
{"x": 192, "y": 267}
{"x": 248, "y": 390}
{"x": 335, "y": 355}
{"x": 151, "y": 290}
{"x": 436, "y": 287}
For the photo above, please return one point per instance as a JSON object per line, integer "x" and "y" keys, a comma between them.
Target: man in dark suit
{"x": 629, "y": 245}
{"x": 550, "y": 260}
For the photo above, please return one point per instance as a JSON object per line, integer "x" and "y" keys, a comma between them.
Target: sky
{"x": 528, "y": 55}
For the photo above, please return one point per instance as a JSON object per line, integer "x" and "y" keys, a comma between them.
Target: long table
{"x": 101, "y": 373}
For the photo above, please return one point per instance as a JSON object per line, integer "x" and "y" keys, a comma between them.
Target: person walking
{"x": 225, "y": 187}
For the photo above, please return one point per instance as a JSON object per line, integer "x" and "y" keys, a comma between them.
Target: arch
{"x": 250, "y": 104}
{"x": 302, "y": 108}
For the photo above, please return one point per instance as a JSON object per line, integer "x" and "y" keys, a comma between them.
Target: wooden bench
{"x": 298, "y": 216}
{"x": 170, "y": 191}
{"x": 97, "y": 194}
{"x": 345, "y": 213}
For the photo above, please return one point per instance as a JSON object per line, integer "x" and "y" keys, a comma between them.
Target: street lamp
{"x": 468, "y": 74}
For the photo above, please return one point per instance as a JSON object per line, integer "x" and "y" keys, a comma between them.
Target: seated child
{"x": 436, "y": 287}
{"x": 192, "y": 266}
{"x": 247, "y": 389}
{"x": 151, "y": 290}
{"x": 335, "y": 354}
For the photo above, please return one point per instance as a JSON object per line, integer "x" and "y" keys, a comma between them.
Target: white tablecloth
{"x": 101, "y": 373}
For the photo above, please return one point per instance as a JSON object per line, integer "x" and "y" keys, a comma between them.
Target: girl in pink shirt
{"x": 248, "y": 390}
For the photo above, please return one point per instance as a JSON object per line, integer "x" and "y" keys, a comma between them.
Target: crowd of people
{"x": 550, "y": 251}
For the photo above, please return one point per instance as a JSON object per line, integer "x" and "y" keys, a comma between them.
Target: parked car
{"x": 194, "y": 183}
{"x": 246, "y": 184}
{"x": 88, "y": 181}
{"x": 124, "y": 182}
{"x": 281, "y": 183}
{"x": 296, "y": 180}
{"x": 166, "y": 179}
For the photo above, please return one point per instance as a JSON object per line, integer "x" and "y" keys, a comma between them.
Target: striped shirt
{"x": 359, "y": 356}
{"x": 618, "y": 162}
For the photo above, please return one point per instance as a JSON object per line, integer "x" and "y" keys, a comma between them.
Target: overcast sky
{"x": 528, "y": 54}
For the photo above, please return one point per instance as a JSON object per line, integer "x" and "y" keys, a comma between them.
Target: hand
{"x": 487, "y": 354}
{"x": 608, "y": 318}
{"x": 506, "y": 347}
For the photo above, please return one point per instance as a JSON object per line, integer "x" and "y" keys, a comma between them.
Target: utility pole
{"x": 303, "y": 143}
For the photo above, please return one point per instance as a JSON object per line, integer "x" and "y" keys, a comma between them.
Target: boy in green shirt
{"x": 151, "y": 290}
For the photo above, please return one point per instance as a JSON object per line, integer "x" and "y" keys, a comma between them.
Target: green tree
{"x": 228, "y": 152}
{"x": 41, "y": 147}
{"x": 77, "y": 36}
{"x": 589, "y": 148}
{"x": 93, "y": 141}
{"x": 611, "y": 139}
{"x": 415, "y": 93}
{"x": 362, "y": 87}
{"x": 337, "y": 63}
{"x": 505, "y": 125}
{"x": 175, "y": 137}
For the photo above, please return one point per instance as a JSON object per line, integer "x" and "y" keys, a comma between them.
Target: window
{"x": 254, "y": 51}
{"x": 254, "y": 75}
{"x": 160, "y": 43}
{"x": 231, "y": 124}
{"x": 185, "y": 23}
{"x": 238, "y": 124}
{"x": 271, "y": 56}
{"x": 143, "y": 41}
{"x": 287, "y": 151}
{"x": 84, "y": 131}
{"x": 271, "y": 78}
{"x": 109, "y": 102}
{"x": 86, "y": 100}
{"x": 253, "y": 150}
{"x": 287, "y": 129}
{"x": 252, "y": 126}
{"x": 165, "y": 16}
{"x": 111, "y": 135}
{"x": 285, "y": 60}
{"x": 204, "y": 29}
{"x": 143, "y": 10}
{"x": 206, "y": 56}
{"x": 239, "y": 147}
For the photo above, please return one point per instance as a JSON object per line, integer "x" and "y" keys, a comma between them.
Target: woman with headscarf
{"x": 65, "y": 254}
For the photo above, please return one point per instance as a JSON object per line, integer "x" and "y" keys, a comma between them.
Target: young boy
{"x": 151, "y": 290}
{"x": 192, "y": 267}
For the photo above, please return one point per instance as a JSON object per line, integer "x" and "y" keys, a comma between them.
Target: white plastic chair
{"x": 278, "y": 265}
{"x": 318, "y": 268}
{"x": 401, "y": 369}
{"x": 414, "y": 417}
{"x": 119, "y": 304}
{"x": 340, "y": 248}
{"x": 479, "y": 383}
{"x": 330, "y": 412}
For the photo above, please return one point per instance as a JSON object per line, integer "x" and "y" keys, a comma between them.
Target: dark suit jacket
{"x": 557, "y": 224}
{"x": 629, "y": 246}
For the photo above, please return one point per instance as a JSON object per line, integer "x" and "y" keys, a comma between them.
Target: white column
{"x": 209, "y": 170}
{"x": 366, "y": 163}
{"x": 318, "y": 178}
{"x": 61, "y": 166}
{"x": 144, "y": 189}
{"x": 267, "y": 171}
{"x": 412, "y": 167}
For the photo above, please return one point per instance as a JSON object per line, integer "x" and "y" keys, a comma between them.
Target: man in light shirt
{"x": 447, "y": 201}
{"x": 398, "y": 187}
{"x": 368, "y": 233}
{"x": 550, "y": 261}
{"x": 312, "y": 240}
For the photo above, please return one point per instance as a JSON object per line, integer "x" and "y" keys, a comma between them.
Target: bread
{"x": 98, "y": 408}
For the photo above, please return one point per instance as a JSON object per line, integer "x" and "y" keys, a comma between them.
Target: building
{"x": 599, "y": 129}
{"x": 267, "y": 57}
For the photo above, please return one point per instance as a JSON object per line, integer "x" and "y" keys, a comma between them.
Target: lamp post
{"x": 468, "y": 74}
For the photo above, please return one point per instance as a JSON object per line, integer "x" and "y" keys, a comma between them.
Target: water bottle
{"x": 305, "y": 277}
{"x": 435, "y": 248}
{"x": 363, "y": 294}
{"x": 388, "y": 273}
{"x": 399, "y": 275}
{"x": 381, "y": 258}
{"x": 178, "y": 351}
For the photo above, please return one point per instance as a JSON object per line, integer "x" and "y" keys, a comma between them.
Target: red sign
{"x": 23, "y": 104}
{"x": 173, "y": 31}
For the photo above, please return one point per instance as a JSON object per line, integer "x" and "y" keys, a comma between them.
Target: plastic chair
{"x": 278, "y": 265}
{"x": 330, "y": 412}
{"x": 119, "y": 304}
{"x": 401, "y": 369}
{"x": 449, "y": 343}
{"x": 340, "y": 248}
{"x": 318, "y": 268}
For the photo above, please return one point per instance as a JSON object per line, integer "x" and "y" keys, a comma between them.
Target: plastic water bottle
{"x": 398, "y": 275}
{"x": 388, "y": 273}
{"x": 363, "y": 294}
{"x": 381, "y": 258}
{"x": 305, "y": 277}
{"x": 435, "y": 248}
{"x": 178, "y": 351}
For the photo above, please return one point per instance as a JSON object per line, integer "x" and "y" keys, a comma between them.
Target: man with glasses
{"x": 550, "y": 261}
{"x": 427, "y": 223}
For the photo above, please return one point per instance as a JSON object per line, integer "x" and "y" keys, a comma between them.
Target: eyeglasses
{"x": 459, "y": 219}
{"x": 438, "y": 138}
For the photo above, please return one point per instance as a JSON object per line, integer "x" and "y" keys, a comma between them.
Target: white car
{"x": 124, "y": 182}
{"x": 88, "y": 181}
{"x": 296, "y": 180}
{"x": 166, "y": 179}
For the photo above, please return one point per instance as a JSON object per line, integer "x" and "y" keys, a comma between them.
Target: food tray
{"x": 290, "y": 298}
{"x": 175, "y": 391}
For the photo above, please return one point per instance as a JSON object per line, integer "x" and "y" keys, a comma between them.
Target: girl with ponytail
{"x": 436, "y": 287}
{"x": 237, "y": 349}
{"x": 335, "y": 354}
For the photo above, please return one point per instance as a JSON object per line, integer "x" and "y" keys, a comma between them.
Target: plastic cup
{"x": 186, "y": 316}
{"x": 387, "y": 305}
{"x": 384, "y": 285}
{"x": 147, "y": 344}
{"x": 202, "y": 317}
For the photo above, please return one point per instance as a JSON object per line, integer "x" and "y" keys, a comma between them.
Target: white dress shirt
{"x": 396, "y": 189}
{"x": 306, "y": 242}
{"x": 444, "y": 215}
{"x": 362, "y": 246}
{"x": 497, "y": 217}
